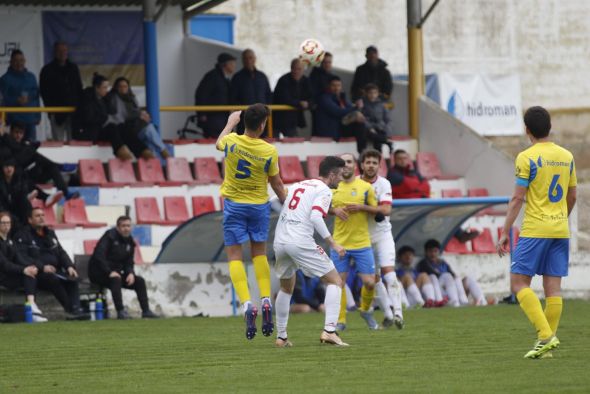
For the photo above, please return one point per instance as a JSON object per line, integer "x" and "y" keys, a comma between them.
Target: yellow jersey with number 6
{"x": 547, "y": 171}
{"x": 248, "y": 164}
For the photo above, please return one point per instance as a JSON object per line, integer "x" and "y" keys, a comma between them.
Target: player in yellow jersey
{"x": 250, "y": 164}
{"x": 353, "y": 204}
{"x": 546, "y": 179}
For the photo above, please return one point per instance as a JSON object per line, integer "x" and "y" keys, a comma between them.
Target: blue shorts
{"x": 243, "y": 222}
{"x": 541, "y": 256}
{"x": 363, "y": 258}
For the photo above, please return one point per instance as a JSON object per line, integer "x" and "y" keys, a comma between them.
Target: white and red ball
{"x": 311, "y": 52}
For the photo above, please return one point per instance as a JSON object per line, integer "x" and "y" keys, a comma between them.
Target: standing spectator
{"x": 249, "y": 85}
{"x": 214, "y": 89}
{"x": 319, "y": 77}
{"x": 61, "y": 86}
{"x": 111, "y": 265}
{"x": 376, "y": 117}
{"x": 38, "y": 243}
{"x": 406, "y": 181}
{"x": 374, "y": 70}
{"x": 19, "y": 89}
{"x": 292, "y": 89}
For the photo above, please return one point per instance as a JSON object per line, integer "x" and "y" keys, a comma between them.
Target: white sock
{"x": 461, "y": 292}
{"x": 414, "y": 293}
{"x": 436, "y": 287}
{"x": 246, "y": 305}
{"x": 332, "y": 306}
{"x": 35, "y": 309}
{"x": 448, "y": 283}
{"x": 383, "y": 300}
{"x": 428, "y": 291}
{"x": 350, "y": 304}
{"x": 475, "y": 290}
{"x": 405, "y": 302}
{"x": 282, "y": 305}
{"x": 393, "y": 288}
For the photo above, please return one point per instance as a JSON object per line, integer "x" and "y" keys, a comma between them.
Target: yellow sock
{"x": 342, "y": 314}
{"x": 237, "y": 273}
{"x": 262, "y": 271}
{"x": 530, "y": 304}
{"x": 366, "y": 298}
{"x": 553, "y": 308}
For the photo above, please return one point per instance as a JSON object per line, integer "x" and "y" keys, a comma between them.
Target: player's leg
{"x": 334, "y": 284}
{"x": 348, "y": 298}
{"x": 474, "y": 290}
{"x": 462, "y": 295}
{"x": 285, "y": 270}
{"x": 382, "y": 298}
{"x": 556, "y": 267}
{"x": 235, "y": 233}
{"x": 448, "y": 284}
{"x": 395, "y": 292}
{"x": 412, "y": 290}
{"x": 365, "y": 264}
{"x": 342, "y": 265}
{"x": 438, "y": 297}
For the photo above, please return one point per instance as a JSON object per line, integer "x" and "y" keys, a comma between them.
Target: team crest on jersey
{"x": 353, "y": 192}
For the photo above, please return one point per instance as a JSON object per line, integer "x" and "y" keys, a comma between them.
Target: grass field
{"x": 442, "y": 350}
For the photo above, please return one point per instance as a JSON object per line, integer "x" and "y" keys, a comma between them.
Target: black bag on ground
{"x": 12, "y": 313}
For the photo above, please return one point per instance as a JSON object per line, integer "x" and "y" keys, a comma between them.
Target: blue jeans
{"x": 150, "y": 136}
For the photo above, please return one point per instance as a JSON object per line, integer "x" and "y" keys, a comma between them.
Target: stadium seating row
{"x": 484, "y": 243}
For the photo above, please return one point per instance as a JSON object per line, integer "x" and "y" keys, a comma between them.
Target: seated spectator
{"x": 214, "y": 89}
{"x": 308, "y": 294}
{"x": 92, "y": 121}
{"x": 406, "y": 181}
{"x": 375, "y": 71}
{"x": 319, "y": 78}
{"x": 38, "y": 243}
{"x": 440, "y": 273}
{"x": 15, "y": 192}
{"x": 15, "y": 271}
{"x": 19, "y": 88}
{"x": 292, "y": 89}
{"x": 376, "y": 117}
{"x": 112, "y": 266}
{"x": 417, "y": 285}
{"x": 61, "y": 86}
{"x": 126, "y": 113}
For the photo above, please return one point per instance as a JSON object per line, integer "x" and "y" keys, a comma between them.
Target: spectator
{"x": 38, "y": 243}
{"x": 417, "y": 285}
{"x": 374, "y": 70}
{"x": 15, "y": 271}
{"x": 111, "y": 265}
{"x": 19, "y": 88}
{"x": 36, "y": 167}
{"x": 214, "y": 89}
{"x": 249, "y": 85}
{"x": 61, "y": 86}
{"x": 377, "y": 117}
{"x": 308, "y": 294}
{"x": 14, "y": 192}
{"x": 292, "y": 89}
{"x": 440, "y": 272}
{"x": 406, "y": 181}
{"x": 126, "y": 114}
{"x": 319, "y": 78}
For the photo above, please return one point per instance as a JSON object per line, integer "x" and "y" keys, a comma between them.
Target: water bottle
{"x": 98, "y": 309}
{"x": 28, "y": 312}
{"x": 92, "y": 307}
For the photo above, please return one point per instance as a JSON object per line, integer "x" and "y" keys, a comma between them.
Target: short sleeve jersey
{"x": 353, "y": 233}
{"x": 248, "y": 164}
{"x": 547, "y": 171}
{"x": 382, "y": 188}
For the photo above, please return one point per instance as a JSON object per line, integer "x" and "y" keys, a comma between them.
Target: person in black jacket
{"x": 374, "y": 70}
{"x": 292, "y": 89}
{"x": 61, "y": 86}
{"x": 15, "y": 192}
{"x": 15, "y": 271}
{"x": 214, "y": 89}
{"x": 249, "y": 85}
{"x": 111, "y": 265}
{"x": 57, "y": 273}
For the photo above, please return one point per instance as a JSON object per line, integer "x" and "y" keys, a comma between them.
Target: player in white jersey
{"x": 303, "y": 212}
{"x": 389, "y": 295}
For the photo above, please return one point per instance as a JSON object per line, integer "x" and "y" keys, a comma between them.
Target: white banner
{"x": 21, "y": 30}
{"x": 490, "y": 104}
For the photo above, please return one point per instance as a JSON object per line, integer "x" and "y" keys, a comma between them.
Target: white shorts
{"x": 309, "y": 258}
{"x": 384, "y": 250}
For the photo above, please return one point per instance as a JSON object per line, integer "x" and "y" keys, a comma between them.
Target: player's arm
{"x": 572, "y": 196}
{"x": 276, "y": 183}
{"x": 232, "y": 121}
{"x": 317, "y": 219}
{"x": 514, "y": 207}
{"x": 370, "y": 205}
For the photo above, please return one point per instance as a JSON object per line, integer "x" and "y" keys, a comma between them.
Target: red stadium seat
{"x": 290, "y": 168}
{"x": 137, "y": 257}
{"x": 383, "y": 168}
{"x": 92, "y": 173}
{"x": 451, "y": 193}
{"x": 206, "y": 170}
{"x": 122, "y": 172}
{"x": 515, "y": 235}
{"x": 50, "y": 218}
{"x": 147, "y": 211}
{"x": 454, "y": 246}
{"x": 203, "y": 205}
{"x": 90, "y": 245}
{"x": 175, "y": 209}
{"x": 178, "y": 170}
{"x": 313, "y": 166}
{"x": 484, "y": 242}
{"x": 150, "y": 171}
{"x": 478, "y": 192}
{"x": 429, "y": 167}
{"x": 75, "y": 213}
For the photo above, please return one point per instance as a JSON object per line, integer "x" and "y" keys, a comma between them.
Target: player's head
{"x": 349, "y": 165}
{"x": 255, "y": 118}
{"x": 370, "y": 160}
{"x": 405, "y": 255}
{"x": 432, "y": 249}
{"x": 327, "y": 62}
{"x": 538, "y": 122}
{"x": 401, "y": 158}
{"x": 331, "y": 169}
{"x": 335, "y": 85}
{"x": 124, "y": 225}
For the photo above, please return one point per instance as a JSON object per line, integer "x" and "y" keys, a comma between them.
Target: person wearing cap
{"x": 214, "y": 89}
{"x": 374, "y": 70}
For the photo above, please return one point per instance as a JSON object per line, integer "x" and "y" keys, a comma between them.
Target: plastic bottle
{"x": 92, "y": 307}
{"x": 98, "y": 312}
{"x": 28, "y": 313}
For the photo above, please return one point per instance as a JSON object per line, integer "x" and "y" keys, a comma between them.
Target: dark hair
{"x": 330, "y": 164}
{"x": 371, "y": 49}
{"x": 538, "y": 121}
{"x": 370, "y": 86}
{"x": 18, "y": 125}
{"x": 123, "y": 218}
{"x": 333, "y": 78}
{"x": 327, "y": 54}
{"x": 370, "y": 153}
{"x": 98, "y": 79}
{"x": 405, "y": 249}
{"x": 431, "y": 244}
{"x": 16, "y": 52}
{"x": 30, "y": 216}
{"x": 295, "y": 61}
{"x": 118, "y": 81}
{"x": 398, "y": 151}
{"x": 255, "y": 115}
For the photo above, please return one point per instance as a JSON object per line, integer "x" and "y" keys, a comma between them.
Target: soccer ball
{"x": 311, "y": 52}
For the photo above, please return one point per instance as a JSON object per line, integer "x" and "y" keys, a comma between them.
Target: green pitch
{"x": 440, "y": 350}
